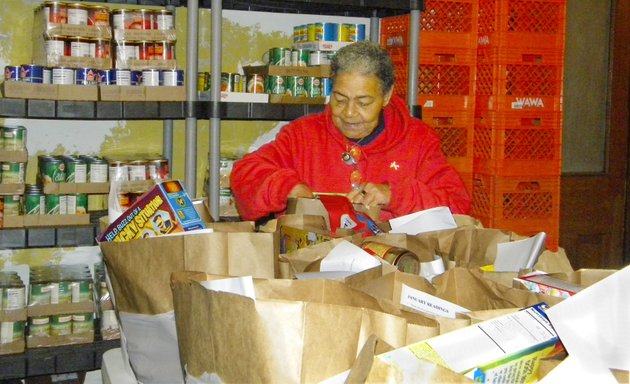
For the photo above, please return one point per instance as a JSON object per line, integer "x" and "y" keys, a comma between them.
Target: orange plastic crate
{"x": 494, "y": 103}
{"x": 522, "y": 23}
{"x": 446, "y": 103}
{"x": 522, "y": 204}
{"x": 519, "y": 79}
{"x": 443, "y": 23}
{"x": 515, "y": 143}
{"x": 455, "y": 129}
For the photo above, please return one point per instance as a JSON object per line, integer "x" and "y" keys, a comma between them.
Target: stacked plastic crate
{"x": 446, "y": 73}
{"x": 518, "y": 116}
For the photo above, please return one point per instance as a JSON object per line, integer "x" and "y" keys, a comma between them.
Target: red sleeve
{"x": 262, "y": 180}
{"x": 436, "y": 182}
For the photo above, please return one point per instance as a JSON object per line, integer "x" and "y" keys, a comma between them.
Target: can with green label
{"x": 60, "y": 325}
{"x": 313, "y": 86}
{"x": 295, "y": 86}
{"x": 51, "y": 170}
{"x": 82, "y": 323}
{"x": 39, "y": 326}
{"x": 14, "y": 138}
{"x": 11, "y": 331}
{"x": 97, "y": 170}
{"x": 76, "y": 204}
{"x": 56, "y": 204}
{"x": 12, "y": 204}
{"x": 276, "y": 85}
{"x": 13, "y": 297}
{"x": 34, "y": 200}
{"x": 82, "y": 290}
{"x": 76, "y": 170}
{"x": 12, "y": 172}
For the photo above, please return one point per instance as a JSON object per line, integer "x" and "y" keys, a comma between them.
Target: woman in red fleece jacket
{"x": 365, "y": 145}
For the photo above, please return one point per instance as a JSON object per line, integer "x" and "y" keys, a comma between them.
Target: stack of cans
{"x": 12, "y": 297}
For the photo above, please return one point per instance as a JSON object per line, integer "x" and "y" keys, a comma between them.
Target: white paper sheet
{"x": 243, "y": 286}
{"x": 430, "y": 269}
{"x": 428, "y": 220}
{"x": 516, "y": 255}
{"x": 572, "y": 370}
{"x": 346, "y": 256}
{"x": 593, "y": 323}
{"x": 424, "y": 302}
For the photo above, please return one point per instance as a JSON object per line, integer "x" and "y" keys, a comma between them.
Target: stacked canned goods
{"x": 110, "y": 329}
{"x": 12, "y": 297}
{"x": 342, "y": 32}
{"x": 136, "y": 170}
{"x": 60, "y": 284}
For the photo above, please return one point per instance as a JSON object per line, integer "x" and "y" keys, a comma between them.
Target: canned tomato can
{"x": 98, "y": 15}
{"x": 76, "y": 170}
{"x": 158, "y": 169}
{"x": 34, "y": 201}
{"x": 295, "y": 86}
{"x": 276, "y": 85}
{"x": 172, "y": 77}
{"x": 79, "y": 46}
{"x": 164, "y": 19}
{"x": 403, "y": 259}
{"x": 136, "y": 78}
{"x": 62, "y": 75}
{"x": 100, "y": 48}
{"x": 300, "y": 57}
{"x": 32, "y": 73}
{"x": 56, "y": 12}
{"x": 12, "y": 72}
{"x": 278, "y": 56}
{"x": 12, "y": 172}
{"x": 137, "y": 170}
{"x": 39, "y": 326}
{"x": 151, "y": 77}
{"x": 351, "y": 32}
{"x": 313, "y": 86}
{"x": 161, "y": 50}
{"x": 76, "y": 204}
{"x": 77, "y": 14}
{"x": 255, "y": 83}
{"x": 13, "y": 138}
{"x": 326, "y": 32}
{"x": 85, "y": 76}
{"x": 118, "y": 171}
{"x": 97, "y": 170}
{"x": 12, "y": 205}
{"x": 121, "y": 18}
{"x": 56, "y": 204}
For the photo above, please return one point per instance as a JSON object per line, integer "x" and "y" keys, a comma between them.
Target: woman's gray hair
{"x": 366, "y": 58}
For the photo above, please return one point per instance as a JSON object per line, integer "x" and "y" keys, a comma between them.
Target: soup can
{"x": 56, "y": 204}
{"x": 255, "y": 83}
{"x": 326, "y": 32}
{"x": 56, "y": 12}
{"x": 85, "y": 76}
{"x": 62, "y": 75}
{"x": 278, "y": 56}
{"x": 77, "y": 14}
{"x": 76, "y": 170}
{"x": 295, "y": 86}
{"x": 12, "y": 72}
{"x": 97, "y": 171}
{"x": 352, "y": 32}
{"x": 13, "y": 296}
{"x": 300, "y": 57}
{"x": 51, "y": 170}
{"x": 39, "y": 326}
{"x": 164, "y": 19}
{"x": 172, "y": 77}
{"x": 151, "y": 77}
{"x": 98, "y": 15}
{"x": 313, "y": 86}
{"x": 403, "y": 259}
{"x": 12, "y": 172}
{"x": 32, "y": 73}
{"x": 76, "y": 204}
{"x": 60, "y": 325}
{"x": 230, "y": 82}
{"x": 34, "y": 201}
{"x": 82, "y": 323}
{"x": 11, "y": 331}
{"x": 13, "y": 138}
{"x": 276, "y": 85}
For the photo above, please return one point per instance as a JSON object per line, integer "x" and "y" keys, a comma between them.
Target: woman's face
{"x": 356, "y": 102}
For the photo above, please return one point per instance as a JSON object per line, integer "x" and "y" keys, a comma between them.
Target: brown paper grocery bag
{"x": 295, "y": 331}
{"x": 476, "y": 247}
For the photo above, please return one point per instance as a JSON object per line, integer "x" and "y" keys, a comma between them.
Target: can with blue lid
{"x": 32, "y": 73}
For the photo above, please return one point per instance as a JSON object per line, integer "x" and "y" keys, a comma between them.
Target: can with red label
{"x": 161, "y": 50}
{"x": 158, "y": 169}
{"x": 255, "y": 83}
{"x": 99, "y": 48}
{"x": 137, "y": 170}
{"x": 98, "y": 15}
{"x": 141, "y": 19}
{"x": 56, "y": 12}
{"x": 85, "y": 76}
{"x": 164, "y": 19}
{"x": 77, "y": 14}
{"x": 125, "y": 52}
{"x": 79, "y": 46}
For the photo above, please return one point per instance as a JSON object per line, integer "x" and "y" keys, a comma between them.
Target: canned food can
{"x": 295, "y": 86}
{"x": 203, "y": 81}
{"x": 79, "y": 47}
{"x": 326, "y": 32}
{"x": 32, "y": 73}
{"x": 121, "y": 76}
{"x": 300, "y": 33}
{"x": 60, "y": 325}
{"x": 12, "y": 172}
{"x": 47, "y": 75}
{"x": 76, "y": 204}
{"x": 225, "y": 169}
{"x": 118, "y": 171}
{"x": 401, "y": 258}
{"x": 255, "y": 83}
{"x": 158, "y": 169}
{"x": 62, "y": 75}
{"x": 100, "y": 48}
{"x": 136, "y": 77}
{"x": 276, "y": 85}
{"x": 300, "y": 57}
{"x": 137, "y": 170}
{"x": 172, "y": 77}
{"x": 125, "y": 52}
{"x": 56, "y": 205}
{"x": 12, "y": 72}
{"x": 13, "y": 138}
{"x": 82, "y": 323}
{"x": 121, "y": 18}
{"x": 77, "y": 14}
{"x": 352, "y": 32}
{"x": 11, "y": 331}
{"x": 164, "y": 19}
{"x": 319, "y": 58}
{"x": 313, "y": 86}
{"x": 278, "y": 56}
{"x": 56, "y": 12}
{"x": 63, "y": 292}
{"x": 56, "y": 47}
{"x": 39, "y": 326}
{"x": 85, "y": 76}
{"x": 51, "y": 170}
{"x": 98, "y": 15}
{"x": 76, "y": 170}
{"x": 151, "y": 77}
{"x": 226, "y": 202}
{"x": 141, "y": 19}
{"x": 13, "y": 297}
{"x": 326, "y": 86}
{"x": 12, "y": 205}
{"x": 98, "y": 170}
{"x": 81, "y": 291}
{"x": 34, "y": 203}
{"x": 39, "y": 293}
{"x": 230, "y": 82}
{"x": 310, "y": 32}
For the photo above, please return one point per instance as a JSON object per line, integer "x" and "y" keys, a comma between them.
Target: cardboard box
{"x": 288, "y": 99}
{"x": 51, "y": 341}
{"x": 24, "y": 90}
{"x": 13, "y": 156}
{"x": 72, "y": 188}
{"x": 139, "y": 65}
{"x": 77, "y": 92}
{"x": 238, "y": 97}
{"x": 505, "y": 349}
{"x": 164, "y": 209}
{"x": 145, "y": 35}
{"x": 279, "y": 70}
{"x": 121, "y": 93}
{"x": 321, "y": 45}
{"x": 165, "y": 93}
{"x": 11, "y": 189}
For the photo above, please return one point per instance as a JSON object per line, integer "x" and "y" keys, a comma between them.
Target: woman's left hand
{"x": 371, "y": 195}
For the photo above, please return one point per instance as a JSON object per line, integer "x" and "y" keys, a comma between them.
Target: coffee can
{"x": 172, "y": 77}
{"x": 12, "y": 72}
{"x": 32, "y": 73}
